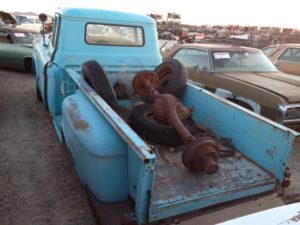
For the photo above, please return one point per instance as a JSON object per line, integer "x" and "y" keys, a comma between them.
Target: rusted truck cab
{"x": 133, "y": 180}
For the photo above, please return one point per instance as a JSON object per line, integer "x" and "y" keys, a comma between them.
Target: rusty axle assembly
{"x": 201, "y": 153}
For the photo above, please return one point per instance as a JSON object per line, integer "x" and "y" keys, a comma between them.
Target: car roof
{"x": 209, "y": 46}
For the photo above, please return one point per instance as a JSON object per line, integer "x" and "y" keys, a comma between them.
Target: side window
{"x": 179, "y": 55}
{"x": 268, "y": 50}
{"x": 291, "y": 54}
{"x": 196, "y": 59}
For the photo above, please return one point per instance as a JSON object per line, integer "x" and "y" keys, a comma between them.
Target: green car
{"x": 244, "y": 76}
{"x": 16, "y": 48}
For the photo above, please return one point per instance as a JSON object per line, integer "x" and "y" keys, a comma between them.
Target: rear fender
{"x": 141, "y": 159}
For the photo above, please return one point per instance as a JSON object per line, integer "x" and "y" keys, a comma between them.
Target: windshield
{"x": 24, "y": 37}
{"x": 241, "y": 61}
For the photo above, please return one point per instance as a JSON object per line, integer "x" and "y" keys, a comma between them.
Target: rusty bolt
{"x": 286, "y": 182}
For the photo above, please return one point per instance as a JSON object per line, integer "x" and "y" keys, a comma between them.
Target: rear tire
{"x": 37, "y": 90}
{"x": 28, "y": 65}
{"x": 38, "y": 93}
{"x": 142, "y": 121}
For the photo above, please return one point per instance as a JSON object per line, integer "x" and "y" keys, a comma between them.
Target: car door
{"x": 7, "y": 49}
{"x": 23, "y": 47}
{"x": 289, "y": 61}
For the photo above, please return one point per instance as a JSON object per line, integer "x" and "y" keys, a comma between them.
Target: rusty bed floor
{"x": 173, "y": 182}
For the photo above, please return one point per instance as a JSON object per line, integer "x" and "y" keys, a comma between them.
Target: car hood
{"x": 285, "y": 85}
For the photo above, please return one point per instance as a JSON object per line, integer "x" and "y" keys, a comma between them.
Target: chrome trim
{"x": 283, "y": 109}
{"x": 291, "y": 122}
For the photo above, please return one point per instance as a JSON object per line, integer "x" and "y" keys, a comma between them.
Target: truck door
{"x": 46, "y": 56}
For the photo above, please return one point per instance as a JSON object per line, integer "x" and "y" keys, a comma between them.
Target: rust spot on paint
{"x": 78, "y": 122}
{"x": 271, "y": 153}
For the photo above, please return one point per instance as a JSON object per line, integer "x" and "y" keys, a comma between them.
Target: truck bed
{"x": 153, "y": 177}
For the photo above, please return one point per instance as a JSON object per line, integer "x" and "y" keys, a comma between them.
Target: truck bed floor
{"x": 173, "y": 182}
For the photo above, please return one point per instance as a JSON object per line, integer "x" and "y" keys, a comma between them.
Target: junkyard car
{"x": 283, "y": 215}
{"x": 31, "y": 23}
{"x": 244, "y": 76}
{"x": 286, "y": 57}
{"x": 7, "y": 18}
{"x": 16, "y": 48}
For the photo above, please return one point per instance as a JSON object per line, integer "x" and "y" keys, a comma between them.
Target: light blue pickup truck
{"x": 100, "y": 76}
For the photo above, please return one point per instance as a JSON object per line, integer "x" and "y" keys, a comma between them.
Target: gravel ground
{"x": 38, "y": 183}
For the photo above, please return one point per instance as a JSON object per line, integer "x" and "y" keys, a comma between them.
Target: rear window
{"x": 103, "y": 34}
{"x": 291, "y": 55}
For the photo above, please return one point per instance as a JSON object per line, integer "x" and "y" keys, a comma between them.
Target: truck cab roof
{"x": 105, "y": 15}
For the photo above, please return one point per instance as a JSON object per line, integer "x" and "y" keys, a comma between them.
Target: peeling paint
{"x": 270, "y": 153}
{"x": 78, "y": 122}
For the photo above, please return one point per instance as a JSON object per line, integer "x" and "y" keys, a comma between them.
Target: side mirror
{"x": 43, "y": 18}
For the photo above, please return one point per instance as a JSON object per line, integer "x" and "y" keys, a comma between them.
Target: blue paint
{"x": 267, "y": 143}
{"x": 97, "y": 149}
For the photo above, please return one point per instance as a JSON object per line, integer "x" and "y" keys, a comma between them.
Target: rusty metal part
{"x": 129, "y": 220}
{"x": 159, "y": 107}
{"x": 182, "y": 111}
{"x": 285, "y": 183}
{"x": 201, "y": 155}
{"x": 145, "y": 83}
{"x": 286, "y": 180}
{"x": 164, "y": 110}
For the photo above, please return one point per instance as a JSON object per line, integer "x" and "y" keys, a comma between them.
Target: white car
{"x": 287, "y": 214}
{"x": 31, "y": 23}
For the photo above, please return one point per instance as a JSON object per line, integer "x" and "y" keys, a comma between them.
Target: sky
{"x": 281, "y": 13}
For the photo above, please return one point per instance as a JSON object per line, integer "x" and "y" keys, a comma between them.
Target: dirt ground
{"x": 38, "y": 183}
